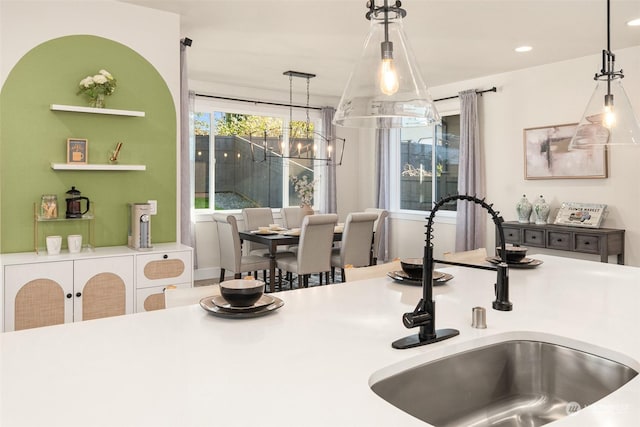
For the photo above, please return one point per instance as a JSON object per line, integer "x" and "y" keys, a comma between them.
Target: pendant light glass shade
{"x": 385, "y": 89}
{"x": 608, "y": 119}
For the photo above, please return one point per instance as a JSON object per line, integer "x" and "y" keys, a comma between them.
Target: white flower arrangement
{"x": 304, "y": 188}
{"x": 97, "y": 87}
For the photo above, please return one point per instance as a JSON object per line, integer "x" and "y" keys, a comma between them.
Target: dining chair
{"x": 379, "y": 229}
{"x": 254, "y": 218}
{"x": 231, "y": 257}
{"x": 355, "y": 246}
{"x": 475, "y": 256}
{"x": 352, "y": 274}
{"x": 314, "y": 250}
{"x": 292, "y": 217}
{"x": 177, "y": 297}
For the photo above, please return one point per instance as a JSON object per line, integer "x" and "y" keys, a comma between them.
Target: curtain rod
{"x": 479, "y": 92}
{"x": 279, "y": 104}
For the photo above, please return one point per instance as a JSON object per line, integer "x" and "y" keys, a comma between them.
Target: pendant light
{"x": 385, "y": 89}
{"x": 609, "y": 118}
{"x": 305, "y": 144}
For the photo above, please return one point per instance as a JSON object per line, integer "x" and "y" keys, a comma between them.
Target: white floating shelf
{"x": 96, "y": 167}
{"x": 111, "y": 111}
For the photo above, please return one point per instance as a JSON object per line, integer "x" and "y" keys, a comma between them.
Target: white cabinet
{"x": 103, "y": 287}
{"x": 50, "y": 293}
{"x": 155, "y": 271}
{"x": 42, "y": 290}
{"x": 38, "y": 295}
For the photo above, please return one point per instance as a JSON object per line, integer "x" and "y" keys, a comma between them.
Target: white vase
{"x": 541, "y": 211}
{"x": 524, "y": 208}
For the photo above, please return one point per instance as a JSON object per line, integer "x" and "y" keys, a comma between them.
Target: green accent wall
{"x": 32, "y": 136}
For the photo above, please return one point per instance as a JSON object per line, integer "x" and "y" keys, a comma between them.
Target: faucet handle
{"x": 413, "y": 319}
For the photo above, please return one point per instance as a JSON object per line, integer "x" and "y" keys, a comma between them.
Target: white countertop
{"x": 310, "y": 362}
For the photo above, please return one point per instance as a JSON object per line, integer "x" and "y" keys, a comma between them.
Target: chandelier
{"x": 300, "y": 141}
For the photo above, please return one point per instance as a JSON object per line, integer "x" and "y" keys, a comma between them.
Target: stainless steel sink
{"x": 512, "y": 383}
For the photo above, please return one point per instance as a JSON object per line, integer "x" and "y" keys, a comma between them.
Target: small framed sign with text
{"x": 581, "y": 214}
{"x": 77, "y": 151}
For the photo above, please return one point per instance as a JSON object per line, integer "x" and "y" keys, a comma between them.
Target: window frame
{"x": 212, "y": 105}
{"x": 395, "y": 170}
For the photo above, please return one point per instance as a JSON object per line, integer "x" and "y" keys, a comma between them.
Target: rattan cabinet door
{"x": 39, "y": 294}
{"x": 149, "y": 299}
{"x": 103, "y": 287}
{"x": 163, "y": 268}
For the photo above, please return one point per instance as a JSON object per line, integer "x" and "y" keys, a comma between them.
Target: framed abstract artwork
{"x": 547, "y": 154}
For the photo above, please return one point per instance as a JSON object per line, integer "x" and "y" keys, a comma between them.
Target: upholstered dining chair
{"x": 254, "y": 218}
{"x": 474, "y": 256}
{"x": 314, "y": 250}
{"x": 379, "y": 230}
{"x": 292, "y": 217}
{"x": 355, "y": 246}
{"x": 231, "y": 257}
{"x": 352, "y": 274}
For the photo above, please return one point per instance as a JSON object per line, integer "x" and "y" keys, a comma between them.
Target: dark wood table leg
{"x": 273, "y": 248}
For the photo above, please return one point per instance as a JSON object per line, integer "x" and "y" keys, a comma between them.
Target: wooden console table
{"x": 599, "y": 241}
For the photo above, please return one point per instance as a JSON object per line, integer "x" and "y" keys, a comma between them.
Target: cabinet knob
{"x": 165, "y": 256}
{"x": 78, "y": 294}
{"x": 69, "y": 295}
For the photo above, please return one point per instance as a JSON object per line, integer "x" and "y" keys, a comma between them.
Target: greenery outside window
{"x": 247, "y": 158}
{"x": 425, "y": 165}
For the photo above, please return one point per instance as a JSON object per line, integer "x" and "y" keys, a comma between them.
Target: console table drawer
{"x": 586, "y": 243}
{"x": 534, "y": 238}
{"x": 559, "y": 240}
{"x": 512, "y": 235}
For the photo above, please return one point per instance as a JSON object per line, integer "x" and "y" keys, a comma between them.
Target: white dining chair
{"x": 474, "y": 256}
{"x": 351, "y": 274}
{"x": 253, "y": 219}
{"x": 379, "y": 230}
{"x": 292, "y": 217}
{"x": 355, "y": 246}
{"x": 177, "y": 297}
{"x": 314, "y": 250}
{"x": 231, "y": 257}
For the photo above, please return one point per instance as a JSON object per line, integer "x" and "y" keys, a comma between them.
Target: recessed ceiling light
{"x": 634, "y": 22}
{"x": 523, "y": 49}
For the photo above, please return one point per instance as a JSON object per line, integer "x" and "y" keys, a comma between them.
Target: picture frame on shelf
{"x": 589, "y": 215}
{"x": 547, "y": 154}
{"x": 77, "y": 151}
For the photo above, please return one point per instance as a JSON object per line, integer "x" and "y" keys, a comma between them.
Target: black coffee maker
{"x": 74, "y": 204}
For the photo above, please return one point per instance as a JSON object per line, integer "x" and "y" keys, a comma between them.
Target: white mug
{"x": 53, "y": 244}
{"x": 74, "y": 242}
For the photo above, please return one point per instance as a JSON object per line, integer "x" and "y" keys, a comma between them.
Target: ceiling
{"x": 250, "y": 43}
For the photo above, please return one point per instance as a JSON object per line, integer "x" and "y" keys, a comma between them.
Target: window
{"x": 425, "y": 168}
{"x": 247, "y": 158}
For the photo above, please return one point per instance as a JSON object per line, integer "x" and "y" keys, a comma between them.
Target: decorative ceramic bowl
{"x": 514, "y": 253}
{"x": 412, "y": 266}
{"x": 242, "y": 292}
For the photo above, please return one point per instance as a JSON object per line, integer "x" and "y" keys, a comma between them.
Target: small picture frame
{"x": 77, "y": 151}
{"x": 588, "y": 215}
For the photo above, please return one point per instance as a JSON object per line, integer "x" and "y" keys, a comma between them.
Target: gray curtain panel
{"x": 187, "y": 184}
{"x": 329, "y": 204}
{"x": 471, "y": 218}
{"x": 383, "y": 180}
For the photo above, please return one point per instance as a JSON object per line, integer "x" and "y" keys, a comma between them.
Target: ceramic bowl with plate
{"x": 242, "y": 292}
{"x": 514, "y": 253}
{"x": 413, "y": 267}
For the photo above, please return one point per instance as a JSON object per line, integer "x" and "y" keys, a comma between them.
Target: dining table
{"x": 272, "y": 239}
